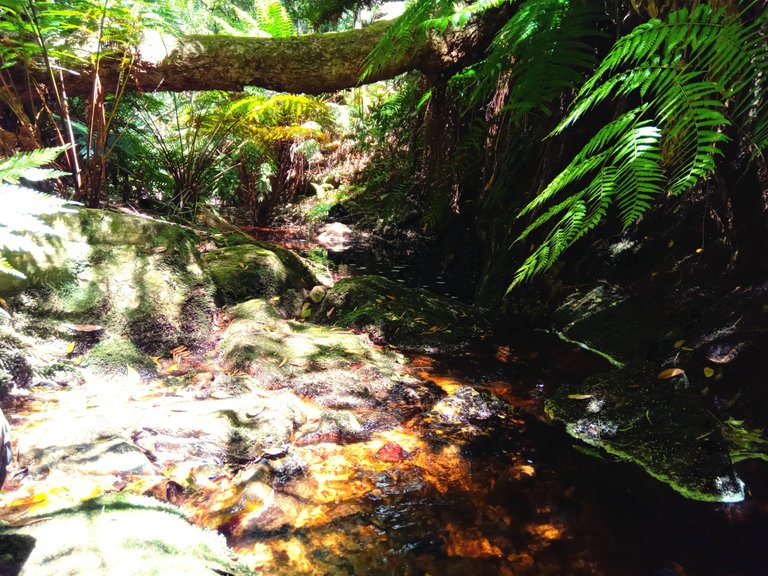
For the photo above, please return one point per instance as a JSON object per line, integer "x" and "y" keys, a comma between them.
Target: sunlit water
{"x": 527, "y": 504}
{"x": 520, "y": 500}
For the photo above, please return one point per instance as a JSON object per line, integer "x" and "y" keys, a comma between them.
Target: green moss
{"x": 635, "y": 416}
{"x": 101, "y": 535}
{"x": 131, "y": 275}
{"x": 117, "y": 356}
{"x": 82, "y": 302}
{"x": 254, "y": 270}
{"x": 408, "y": 317}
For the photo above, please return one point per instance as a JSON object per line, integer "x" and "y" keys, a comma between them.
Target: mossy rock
{"x": 410, "y": 318}
{"x": 256, "y": 270}
{"x": 654, "y": 423}
{"x": 15, "y": 369}
{"x": 116, "y": 535}
{"x": 618, "y": 324}
{"x": 117, "y": 356}
{"x": 136, "y": 277}
{"x": 337, "y": 368}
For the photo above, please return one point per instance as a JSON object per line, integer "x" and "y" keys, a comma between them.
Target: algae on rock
{"x": 410, "y": 318}
{"x": 120, "y": 535}
{"x": 663, "y": 428}
{"x": 312, "y": 360}
{"x": 256, "y": 270}
{"x": 136, "y": 277}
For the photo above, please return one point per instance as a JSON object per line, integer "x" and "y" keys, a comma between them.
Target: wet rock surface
{"x": 655, "y": 423}
{"x": 701, "y": 338}
{"x": 410, "y": 318}
{"x": 115, "y": 535}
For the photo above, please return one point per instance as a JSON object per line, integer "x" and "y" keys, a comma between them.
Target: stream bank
{"x": 312, "y": 448}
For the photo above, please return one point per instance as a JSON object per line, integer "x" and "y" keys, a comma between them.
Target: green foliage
{"x": 412, "y": 29}
{"x": 544, "y": 49}
{"x": 745, "y": 444}
{"x": 690, "y": 78}
{"x": 269, "y": 18}
{"x": 194, "y": 148}
{"x": 281, "y": 117}
{"x": 21, "y": 205}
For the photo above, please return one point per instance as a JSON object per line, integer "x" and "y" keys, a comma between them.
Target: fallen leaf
{"x": 243, "y": 265}
{"x": 669, "y": 373}
{"x": 282, "y": 362}
{"x": 83, "y": 327}
{"x": 274, "y": 452}
{"x": 330, "y": 311}
{"x": 71, "y": 348}
{"x": 708, "y": 372}
{"x": 679, "y": 343}
{"x": 253, "y": 412}
{"x": 579, "y": 396}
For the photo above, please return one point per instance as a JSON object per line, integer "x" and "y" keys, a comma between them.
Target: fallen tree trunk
{"x": 311, "y": 64}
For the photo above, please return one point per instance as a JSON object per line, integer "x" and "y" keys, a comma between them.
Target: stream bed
{"x": 367, "y": 462}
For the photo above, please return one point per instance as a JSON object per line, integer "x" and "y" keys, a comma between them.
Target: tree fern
{"x": 544, "y": 49}
{"x": 692, "y": 75}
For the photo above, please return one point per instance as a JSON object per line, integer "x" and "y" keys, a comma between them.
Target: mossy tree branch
{"x": 312, "y": 64}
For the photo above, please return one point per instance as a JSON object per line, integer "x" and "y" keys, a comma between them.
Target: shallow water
{"x": 527, "y": 503}
{"x": 521, "y": 498}
{"x": 524, "y": 502}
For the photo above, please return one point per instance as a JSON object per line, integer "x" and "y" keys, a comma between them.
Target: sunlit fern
{"x": 694, "y": 76}
{"x": 412, "y": 28}
{"x": 268, "y": 119}
{"x": 269, "y": 18}
{"x": 21, "y": 205}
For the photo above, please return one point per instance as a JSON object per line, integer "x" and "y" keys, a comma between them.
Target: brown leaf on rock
{"x": 670, "y": 373}
{"x": 83, "y": 327}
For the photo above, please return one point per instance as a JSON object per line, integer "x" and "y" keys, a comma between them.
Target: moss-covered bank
{"x": 658, "y": 424}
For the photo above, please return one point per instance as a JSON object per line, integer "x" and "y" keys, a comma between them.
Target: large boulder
{"x": 410, "y": 318}
{"x": 115, "y": 535}
{"x": 256, "y": 270}
{"x": 656, "y": 423}
{"x": 97, "y": 272}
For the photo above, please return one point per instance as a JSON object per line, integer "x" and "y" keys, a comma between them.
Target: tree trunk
{"x": 311, "y": 64}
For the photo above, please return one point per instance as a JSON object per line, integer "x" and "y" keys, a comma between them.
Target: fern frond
{"x": 691, "y": 72}
{"x": 27, "y": 165}
{"x": 544, "y": 49}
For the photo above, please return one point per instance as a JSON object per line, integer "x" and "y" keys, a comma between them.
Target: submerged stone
{"x": 410, "y": 318}
{"x": 663, "y": 428}
{"x": 469, "y": 416}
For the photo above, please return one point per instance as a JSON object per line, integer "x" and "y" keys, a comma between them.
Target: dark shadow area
{"x": 15, "y": 549}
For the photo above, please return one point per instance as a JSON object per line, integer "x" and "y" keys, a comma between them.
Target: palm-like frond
{"x": 543, "y": 50}
{"x": 412, "y": 28}
{"x": 692, "y": 75}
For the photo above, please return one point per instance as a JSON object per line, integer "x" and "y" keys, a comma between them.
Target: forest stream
{"x": 332, "y": 455}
